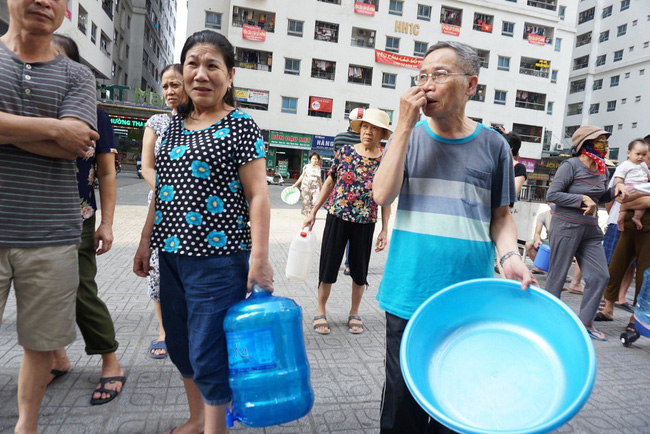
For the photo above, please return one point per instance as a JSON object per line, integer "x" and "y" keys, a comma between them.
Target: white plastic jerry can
{"x": 301, "y": 256}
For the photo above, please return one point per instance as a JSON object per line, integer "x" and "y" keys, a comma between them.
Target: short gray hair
{"x": 468, "y": 60}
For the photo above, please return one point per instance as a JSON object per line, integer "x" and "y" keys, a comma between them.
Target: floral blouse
{"x": 201, "y": 209}
{"x": 351, "y": 198}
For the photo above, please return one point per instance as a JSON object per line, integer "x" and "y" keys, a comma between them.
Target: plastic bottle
{"x": 642, "y": 307}
{"x": 269, "y": 371}
{"x": 301, "y": 256}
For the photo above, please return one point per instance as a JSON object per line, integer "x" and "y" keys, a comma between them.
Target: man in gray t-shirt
{"x": 47, "y": 119}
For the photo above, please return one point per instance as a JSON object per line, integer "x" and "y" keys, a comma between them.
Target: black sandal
{"x": 630, "y": 328}
{"x": 113, "y": 393}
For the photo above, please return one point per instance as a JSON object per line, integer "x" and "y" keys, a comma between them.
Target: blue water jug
{"x": 269, "y": 371}
{"x": 642, "y": 307}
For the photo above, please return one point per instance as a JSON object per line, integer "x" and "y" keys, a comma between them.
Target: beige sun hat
{"x": 376, "y": 117}
{"x": 584, "y": 133}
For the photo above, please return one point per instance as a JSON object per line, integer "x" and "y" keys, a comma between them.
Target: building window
{"x": 451, "y": 16}
{"x": 585, "y": 16}
{"x": 583, "y": 39}
{"x": 504, "y": 64}
{"x": 580, "y": 62}
{"x": 323, "y": 69}
{"x": 289, "y": 105}
{"x": 604, "y": 36}
{"x": 577, "y": 86}
{"x": 113, "y": 67}
{"x": 500, "y": 97}
{"x": 253, "y": 59}
{"x": 574, "y": 109}
{"x": 292, "y": 66}
{"x": 420, "y": 48}
{"x": 388, "y": 80}
{"x": 646, "y": 44}
{"x": 549, "y": 108}
{"x": 395, "y": 7}
{"x": 483, "y": 22}
{"x": 558, "y": 44}
{"x": 600, "y": 60}
{"x": 326, "y": 32}
{"x": 334, "y": 2}
{"x": 424, "y": 12}
{"x": 360, "y": 74}
{"x": 621, "y": 30}
{"x": 633, "y": 124}
{"x": 613, "y": 81}
{"x": 93, "y": 33}
{"x": 635, "y": 22}
{"x": 618, "y": 55}
{"x": 392, "y": 44}
{"x": 594, "y": 109}
{"x": 212, "y": 20}
{"x": 627, "y": 75}
{"x": 530, "y": 100}
{"x": 554, "y": 76}
{"x": 562, "y": 12}
{"x": 126, "y": 52}
{"x": 637, "y": 98}
{"x": 623, "y": 100}
{"x": 479, "y": 95}
{"x": 607, "y": 12}
{"x": 631, "y": 48}
{"x": 104, "y": 44}
{"x": 484, "y": 57}
{"x": 641, "y": 71}
{"x": 294, "y": 28}
{"x": 362, "y": 38}
{"x": 598, "y": 84}
{"x": 611, "y": 106}
{"x": 609, "y": 128}
{"x": 508, "y": 29}
{"x": 625, "y": 4}
{"x": 82, "y": 21}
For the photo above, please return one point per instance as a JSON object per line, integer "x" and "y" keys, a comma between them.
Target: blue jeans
{"x": 195, "y": 293}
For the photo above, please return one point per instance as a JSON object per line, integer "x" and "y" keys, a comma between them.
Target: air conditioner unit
{"x": 559, "y": 146}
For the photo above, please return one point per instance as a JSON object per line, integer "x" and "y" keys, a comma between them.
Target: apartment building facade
{"x": 610, "y": 70}
{"x": 300, "y": 70}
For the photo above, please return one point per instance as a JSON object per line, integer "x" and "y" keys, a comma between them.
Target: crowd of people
{"x": 205, "y": 242}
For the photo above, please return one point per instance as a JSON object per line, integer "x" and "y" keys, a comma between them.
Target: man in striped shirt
{"x": 455, "y": 182}
{"x": 47, "y": 119}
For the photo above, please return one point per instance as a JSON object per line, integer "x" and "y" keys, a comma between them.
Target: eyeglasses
{"x": 439, "y": 76}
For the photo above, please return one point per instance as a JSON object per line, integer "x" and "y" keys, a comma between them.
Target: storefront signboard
{"x": 548, "y": 164}
{"x": 529, "y": 163}
{"x": 251, "y": 95}
{"x": 127, "y": 122}
{"x": 538, "y": 176}
{"x": 319, "y": 104}
{"x": 364, "y": 9}
{"x": 253, "y": 33}
{"x": 397, "y": 59}
{"x": 119, "y": 93}
{"x": 282, "y": 139}
{"x": 450, "y": 29}
{"x": 325, "y": 143}
{"x": 536, "y": 39}
{"x": 270, "y": 159}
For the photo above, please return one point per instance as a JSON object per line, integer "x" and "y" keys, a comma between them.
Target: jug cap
{"x": 303, "y": 234}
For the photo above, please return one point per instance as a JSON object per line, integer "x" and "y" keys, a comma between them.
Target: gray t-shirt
{"x": 39, "y": 199}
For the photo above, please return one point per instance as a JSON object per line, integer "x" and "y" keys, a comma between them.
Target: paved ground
{"x": 347, "y": 370}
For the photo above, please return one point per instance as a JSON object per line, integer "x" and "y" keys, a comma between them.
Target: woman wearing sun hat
{"x": 580, "y": 183}
{"x": 351, "y": 215}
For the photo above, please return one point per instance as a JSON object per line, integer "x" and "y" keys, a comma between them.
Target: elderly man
{"x": 455, "y": 179}
{"x": 47, "y": 118}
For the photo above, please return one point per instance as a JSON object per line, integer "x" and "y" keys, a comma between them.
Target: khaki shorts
{"x": 45, "y": 281}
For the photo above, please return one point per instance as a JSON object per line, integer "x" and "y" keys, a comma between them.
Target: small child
{"x": 633, "y": 172}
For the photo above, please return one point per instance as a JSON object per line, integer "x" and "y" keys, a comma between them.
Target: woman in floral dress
{"x": 352, "y": 214}
{"x": 311, "y": 183}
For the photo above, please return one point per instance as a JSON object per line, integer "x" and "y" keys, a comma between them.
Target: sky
{"x": 181, "y": 28}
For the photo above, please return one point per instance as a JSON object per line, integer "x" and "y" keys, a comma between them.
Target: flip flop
{"x": 358, "y": 325}
{"x": 57, "y": 374}
{"x": 574, "y": 291}
{"x": 625, "y": 306}
{"x": 601, "y": 317}
{"x": 322, "y": 324}
{"x": 113, "y": 394}
{"x": 595, "y": 334}
{"x": 537, "y": 271}
{"x": 157, "y": 345}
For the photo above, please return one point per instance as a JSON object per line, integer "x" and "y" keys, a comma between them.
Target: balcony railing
{"x": 107, "y": 5}
{"x": 529, "y": 105}
{"x": 576, "y": 111}
{"x": 534, "y": 72}
{"x": 358, "y": 42}
{"x": 580, "y": 66}
{"x": 550, "y": 5}
{"x": 249, "y": 65}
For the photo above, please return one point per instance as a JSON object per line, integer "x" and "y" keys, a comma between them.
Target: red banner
{"x": 397, "y": 59}
{"x": 536, "y": 39}
{"x": 364, "y": 9}
{"x": 450, "y": 29}
{"x": 319, "y": 104}
{"x": 253, "y": 33}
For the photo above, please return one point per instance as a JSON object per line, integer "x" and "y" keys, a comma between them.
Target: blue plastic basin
{"x": 483, "y": 356}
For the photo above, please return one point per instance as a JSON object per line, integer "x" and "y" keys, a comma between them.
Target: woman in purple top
{"x": 580, "y": 183}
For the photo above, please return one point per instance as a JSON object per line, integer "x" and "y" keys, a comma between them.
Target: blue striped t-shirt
{"x": 441, "y": 234}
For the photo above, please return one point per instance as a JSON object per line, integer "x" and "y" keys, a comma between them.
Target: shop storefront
{"x": 288, "y": 153}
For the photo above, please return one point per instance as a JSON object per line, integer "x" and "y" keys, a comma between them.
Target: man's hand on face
{"x": 75, "y": 136}
{"x": 410, "y": 105}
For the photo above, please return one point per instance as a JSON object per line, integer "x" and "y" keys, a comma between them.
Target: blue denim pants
{"x": 195, "y": 293}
